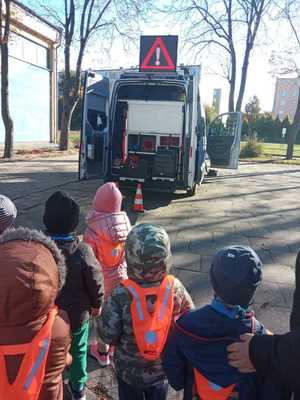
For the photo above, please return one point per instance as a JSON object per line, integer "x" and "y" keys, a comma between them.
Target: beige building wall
{"x": 286, "y": 97}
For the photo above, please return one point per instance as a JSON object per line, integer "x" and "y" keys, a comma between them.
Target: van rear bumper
{"x": 149, "y": 184}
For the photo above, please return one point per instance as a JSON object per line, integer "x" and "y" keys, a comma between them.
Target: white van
{"x": 150, "y": 128}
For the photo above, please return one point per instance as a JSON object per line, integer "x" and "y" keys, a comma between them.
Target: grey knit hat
{"x": 148, "y": 253}
{"x": 8, "y": 213}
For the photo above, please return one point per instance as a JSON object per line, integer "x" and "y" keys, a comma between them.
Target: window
{"x": 15, "y": 46}
{"x": 282, "y": 103}
{"x": 283, "y": 93}
{"x": 29, "y": 51}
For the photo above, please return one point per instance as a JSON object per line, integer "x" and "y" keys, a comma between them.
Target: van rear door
{"x": 223, "y": 140}
{"x": 93, "y": 154}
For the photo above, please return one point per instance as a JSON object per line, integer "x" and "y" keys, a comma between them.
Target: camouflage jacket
{"x": 115, "y": 327}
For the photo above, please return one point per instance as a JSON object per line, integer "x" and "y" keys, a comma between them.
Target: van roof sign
{"x": 158, "y": 53}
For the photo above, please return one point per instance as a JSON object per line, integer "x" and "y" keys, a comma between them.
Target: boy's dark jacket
{"x": 199, "y": 340}
{"x": 84, "y": 287}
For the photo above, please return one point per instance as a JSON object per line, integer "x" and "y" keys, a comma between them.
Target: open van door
{"x": 94, "y": 128}
{"x": 223, "y": 140}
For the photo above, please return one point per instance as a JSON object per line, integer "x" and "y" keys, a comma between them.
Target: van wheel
{"x": 192, "y": 191}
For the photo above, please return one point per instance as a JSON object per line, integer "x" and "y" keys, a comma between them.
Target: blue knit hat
{"x": 8, "y": 213}
{"x": 235, "y": 274}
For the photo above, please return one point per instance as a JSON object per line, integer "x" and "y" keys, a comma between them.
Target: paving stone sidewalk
{"x": 258, "y": 205}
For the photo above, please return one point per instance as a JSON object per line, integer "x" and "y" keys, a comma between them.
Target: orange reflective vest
{"x": 30, "y": 377}
{"x": 151, "y": 329}
{"x": 207, "y": 390}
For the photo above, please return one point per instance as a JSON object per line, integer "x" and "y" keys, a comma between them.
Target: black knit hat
{"x": 235, "y": 274}
{"x": 61, "y": 213}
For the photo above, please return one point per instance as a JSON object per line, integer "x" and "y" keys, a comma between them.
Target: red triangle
{"x": 158, "y": 43}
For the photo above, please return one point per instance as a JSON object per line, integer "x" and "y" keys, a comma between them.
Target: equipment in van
{"x": 148, "y": 125}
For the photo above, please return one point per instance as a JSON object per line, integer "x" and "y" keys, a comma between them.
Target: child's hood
{"x": 32, "y": 270}
{"x": 113, "y": 227}
{"x": 148, "y": 253}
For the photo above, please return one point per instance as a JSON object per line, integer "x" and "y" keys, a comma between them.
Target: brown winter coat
{"x": 31, "y": 273}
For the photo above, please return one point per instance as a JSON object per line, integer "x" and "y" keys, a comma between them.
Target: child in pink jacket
{"x": 106, "y": 232}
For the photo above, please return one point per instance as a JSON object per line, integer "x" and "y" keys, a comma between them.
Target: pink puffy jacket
{"x": 106, "y": 233}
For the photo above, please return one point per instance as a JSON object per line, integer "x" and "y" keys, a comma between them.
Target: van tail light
{"x": 191, "y": 152}
{"x": 169, "y": 141}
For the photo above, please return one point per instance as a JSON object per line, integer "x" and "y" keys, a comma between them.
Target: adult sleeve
{"x": 93, "y": 277}
{"x": 174, "y": 363}
{"x": 295, "y": 314}
{"x": 277, "y": 357}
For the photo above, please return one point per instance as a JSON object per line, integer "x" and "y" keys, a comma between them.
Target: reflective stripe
{"x": 151, "y": 337}
{"x": 138, "y": 201}
{"x": 165, "y": 300}
{"x": 114, "y": 252}
{"x": 38, "y": 362}
{"x": 138, "y": 302}
{"x": 214, "y": 386}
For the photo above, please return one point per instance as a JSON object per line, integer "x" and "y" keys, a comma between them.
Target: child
{"x": 8, "y": 213}
{"x": 137, "y": 316}
{"x": 82, "y": 293}
{"x": 107, "y": 230}
{"x": 32, "y": 330}
{"x": 195, "y": 357}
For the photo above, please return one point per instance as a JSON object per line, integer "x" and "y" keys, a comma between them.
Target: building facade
{"x": 32, "y": 76}
{"x": 286, "y": 98}
{"x": 217, "y": 100}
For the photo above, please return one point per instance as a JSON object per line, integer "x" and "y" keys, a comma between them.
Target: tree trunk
{"x": 243, "y": 80}
{"x": 64, "y": 130}
{"x": 66, "y": 116}
{"x": 232, "y": 82}
{"x": 7, "y": 121}
{"x": 294, "y": 130}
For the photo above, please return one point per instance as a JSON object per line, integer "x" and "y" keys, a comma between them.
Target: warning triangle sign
{"x": 158, "y": 53}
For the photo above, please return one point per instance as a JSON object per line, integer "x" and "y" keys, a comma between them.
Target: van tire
{"x": 192, "y": 191}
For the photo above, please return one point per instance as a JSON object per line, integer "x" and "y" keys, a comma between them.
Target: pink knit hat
{"x": 108, "y": 199}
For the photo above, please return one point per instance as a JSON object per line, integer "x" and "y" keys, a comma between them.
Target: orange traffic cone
{"x": 138, "y": 200}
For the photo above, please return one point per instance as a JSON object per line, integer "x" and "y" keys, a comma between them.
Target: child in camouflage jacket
{"x": 148, "y": 257}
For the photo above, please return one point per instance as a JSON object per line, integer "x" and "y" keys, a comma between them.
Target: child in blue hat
{"x": 195, "y": 357}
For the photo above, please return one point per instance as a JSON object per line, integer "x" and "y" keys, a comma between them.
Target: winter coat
{"x": 278, "y": 357}
{"x": 295, "y": 314}
{"x": 115, "y": 327}
{"x": 32, "y": 271}
{"x": 199, "y": 340}
{"x": 83, "y": 289}
{"x": 106, "y": 234}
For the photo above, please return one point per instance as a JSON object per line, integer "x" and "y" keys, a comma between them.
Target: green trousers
{"x": 78, "y": 374}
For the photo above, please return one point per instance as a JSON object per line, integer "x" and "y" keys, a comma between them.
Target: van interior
{"x": 148, "y": 131}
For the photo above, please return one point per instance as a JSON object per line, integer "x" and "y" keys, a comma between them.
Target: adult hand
{"x": 95, "y": 312}
{"x": 238, "y": 356}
